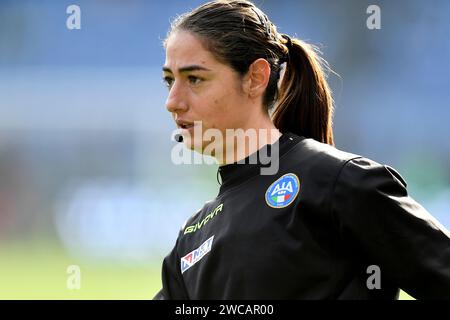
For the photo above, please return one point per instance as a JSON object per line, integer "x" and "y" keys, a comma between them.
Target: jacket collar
{"x": 235, "y": 173}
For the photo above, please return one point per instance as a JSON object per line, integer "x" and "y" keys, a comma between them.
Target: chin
{"x": 193, "y": 144}
{"x": 200, "y": 147}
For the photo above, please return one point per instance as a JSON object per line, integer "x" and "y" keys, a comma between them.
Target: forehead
{"x": 183, "y": 48}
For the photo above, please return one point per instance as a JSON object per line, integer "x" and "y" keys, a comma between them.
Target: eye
{"x": 194, "y": 80}
{"x": 168, "y": 81}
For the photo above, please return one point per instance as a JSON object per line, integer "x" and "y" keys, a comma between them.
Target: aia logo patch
{"x": 283, "y": 192}
{"x": 196, "y": 255}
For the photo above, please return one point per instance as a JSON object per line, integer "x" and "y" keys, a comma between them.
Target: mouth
{"x": 181, "y": 124}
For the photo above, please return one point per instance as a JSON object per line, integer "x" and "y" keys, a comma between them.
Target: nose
{"x": 176, "y": 100}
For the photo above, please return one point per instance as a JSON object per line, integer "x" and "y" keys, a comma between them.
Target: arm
{"x": 172, "y": 281}
{"x": 378, "y": 219}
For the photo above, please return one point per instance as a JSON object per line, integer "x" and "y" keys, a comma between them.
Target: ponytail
{"x": 305, "y": 104}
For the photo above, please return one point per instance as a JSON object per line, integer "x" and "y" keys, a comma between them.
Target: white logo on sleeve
{"x": 196, "y": 255}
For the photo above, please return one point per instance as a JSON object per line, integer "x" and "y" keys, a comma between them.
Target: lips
{"x": 183, "y": 124}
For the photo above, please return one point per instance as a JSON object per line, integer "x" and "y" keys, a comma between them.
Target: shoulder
{"x": 328, "y": 162}
{"x": 189, "y": 220}
{"x": 317, "y": 157}
{"x": 364, "y": 173}
{"x": 194, "y": 217}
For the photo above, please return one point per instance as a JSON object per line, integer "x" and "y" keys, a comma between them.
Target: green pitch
{"x": 39, "y": 271}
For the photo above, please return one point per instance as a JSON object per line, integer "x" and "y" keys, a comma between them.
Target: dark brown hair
{"x": 237, "y": 33}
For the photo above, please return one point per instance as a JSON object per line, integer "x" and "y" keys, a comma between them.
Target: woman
{"x": 327, "y": 224}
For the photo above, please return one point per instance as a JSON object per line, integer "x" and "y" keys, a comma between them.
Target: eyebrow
{"x": 187, "y": 69}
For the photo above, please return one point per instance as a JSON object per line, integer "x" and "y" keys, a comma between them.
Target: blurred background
{"x": 86, "y": 177}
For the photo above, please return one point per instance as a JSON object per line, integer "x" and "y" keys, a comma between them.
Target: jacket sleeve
{"x": 173, "y": 287}
{"x": 382, "y": 224}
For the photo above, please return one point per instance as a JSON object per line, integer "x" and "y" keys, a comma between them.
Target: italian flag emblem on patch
{"x": 283, "y": 191}
{"x": 282, "y": 198}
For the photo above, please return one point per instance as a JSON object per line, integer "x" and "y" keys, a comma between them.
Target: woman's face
{"x": 201, "y": 89}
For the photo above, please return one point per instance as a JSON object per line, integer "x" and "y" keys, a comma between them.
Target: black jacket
{"x": 344, "y": 229}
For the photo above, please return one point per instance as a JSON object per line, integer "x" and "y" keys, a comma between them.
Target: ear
{"x": 257, "y": 78}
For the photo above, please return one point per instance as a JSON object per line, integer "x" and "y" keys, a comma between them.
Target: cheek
{"x": 219, "y": 107}
{"x": 213, "y": 111}
{"x": 226, "y": 98}
{"x": 220, "y": 118}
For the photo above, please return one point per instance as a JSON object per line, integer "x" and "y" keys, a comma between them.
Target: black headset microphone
{"x": 178, "y": 137}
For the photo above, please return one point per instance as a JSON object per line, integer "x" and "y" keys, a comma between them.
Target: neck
{"x": 246, "y": 141}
